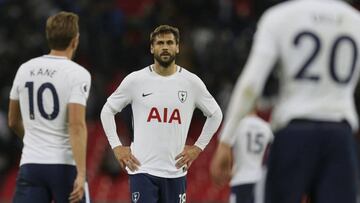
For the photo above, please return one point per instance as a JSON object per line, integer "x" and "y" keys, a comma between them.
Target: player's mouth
{"x": 165, "y": 54}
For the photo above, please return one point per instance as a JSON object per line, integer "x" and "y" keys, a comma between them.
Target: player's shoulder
{"x": 349, "y": 10}
{"x": 138, "y": 74}
{"x": 279, "y": 10}
{"x": 78, "y": 68}
{"x": 297, "y": 7}
{"x": 190, "y": 76}
{"x": 66, "y": 65}
{"x": 255, "y": 120}
{"x": 75, "y": 70}
{"x": 30, "y": 62}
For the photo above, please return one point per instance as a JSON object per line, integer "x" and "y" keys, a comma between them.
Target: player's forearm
{"x": 241, "y": 103}
{"x": 211, "y": 125}
{"x": 109, "y": 125}
{"x": 249, "y": 86}
{"x": 78, "y": 141}
{"x": 15, "y": 119}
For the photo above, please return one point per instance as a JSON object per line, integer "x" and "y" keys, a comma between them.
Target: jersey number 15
{"x": 255, "y": 142}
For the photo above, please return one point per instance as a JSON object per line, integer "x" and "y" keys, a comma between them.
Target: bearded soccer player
{"x": 163, "y": 97}
{"x": 47, "y": 110}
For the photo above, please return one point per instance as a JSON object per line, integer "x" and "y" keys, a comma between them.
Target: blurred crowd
{"x": 215, "y": 40}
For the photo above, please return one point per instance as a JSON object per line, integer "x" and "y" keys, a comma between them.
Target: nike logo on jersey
{"x": 145, "y": 95}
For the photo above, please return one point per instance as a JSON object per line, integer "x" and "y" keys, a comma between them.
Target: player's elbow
{"x": 77, "y": 128}
{"x": 13, "y": 124}
{"x": 218, "y": 115}
{"x": 221, "y": 115}
{"x": 106, "y": 112}
{"x": 77, "y": 125}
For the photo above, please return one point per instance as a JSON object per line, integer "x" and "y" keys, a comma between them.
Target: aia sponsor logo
{"x": 164, "y": 116}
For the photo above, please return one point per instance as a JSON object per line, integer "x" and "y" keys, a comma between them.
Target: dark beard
{"x": 163, "y": 63}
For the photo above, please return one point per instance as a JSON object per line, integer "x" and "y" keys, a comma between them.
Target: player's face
{"x": 164, "y": 49}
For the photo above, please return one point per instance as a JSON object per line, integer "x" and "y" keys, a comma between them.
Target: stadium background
{"x": 216, "y": 37}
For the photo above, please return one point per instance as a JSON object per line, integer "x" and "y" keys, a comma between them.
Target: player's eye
{"x": 159, "y": 42}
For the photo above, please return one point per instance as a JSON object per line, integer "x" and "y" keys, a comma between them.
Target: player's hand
{"x": 78, "y": 191}
{"x": 187, "y": 156}
{"x": 126, "y": 158}
{"x": 220, "y": 167}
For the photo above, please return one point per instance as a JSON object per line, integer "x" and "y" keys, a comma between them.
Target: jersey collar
{"x": 54, "y": 57}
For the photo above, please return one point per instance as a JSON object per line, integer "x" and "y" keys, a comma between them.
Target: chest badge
{"x": 182, "y": 96}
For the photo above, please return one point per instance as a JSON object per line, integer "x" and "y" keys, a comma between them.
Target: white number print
{"x": 182, "y": 198}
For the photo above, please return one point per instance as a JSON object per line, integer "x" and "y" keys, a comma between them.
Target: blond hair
{"x": 61, "y": 28}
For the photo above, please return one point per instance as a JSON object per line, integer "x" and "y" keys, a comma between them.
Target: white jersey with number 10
{"x": 44, "y": 86}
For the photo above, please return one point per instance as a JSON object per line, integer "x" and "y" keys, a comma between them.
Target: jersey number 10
{"x": 40, "y": 99}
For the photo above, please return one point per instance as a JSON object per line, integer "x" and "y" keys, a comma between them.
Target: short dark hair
{"x": 61, "y": 28}
{"x": 162, "y": 29}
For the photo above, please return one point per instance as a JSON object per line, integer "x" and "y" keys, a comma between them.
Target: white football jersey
{"x": 252, "y": 138}
{"x": 317, "y": 44}
{"x": 162, "y": 109}
{"x": 44, "y": 86}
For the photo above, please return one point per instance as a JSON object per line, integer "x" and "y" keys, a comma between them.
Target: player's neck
{"x": 164, "y": 71}
{"x": 64, "y": 53}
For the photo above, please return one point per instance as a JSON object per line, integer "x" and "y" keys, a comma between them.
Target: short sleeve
{"x": 14, "y": 92}
{"x": 80, "y": 87}
{"x": 204, "y": 100}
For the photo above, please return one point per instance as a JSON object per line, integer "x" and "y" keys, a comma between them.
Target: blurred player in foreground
{"x": 317, "y": 45}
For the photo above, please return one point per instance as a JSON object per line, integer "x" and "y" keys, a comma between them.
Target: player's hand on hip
{"x": 187, "y": 156}
{"x": 126, "y": 158}
{"x": 220, "y": 167}
{"x": 78, "y": 191}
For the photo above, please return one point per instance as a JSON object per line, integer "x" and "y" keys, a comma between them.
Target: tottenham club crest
{"x": 182, "y": 96}
{"x": 135, "y": 196}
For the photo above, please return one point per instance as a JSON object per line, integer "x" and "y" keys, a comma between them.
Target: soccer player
{"x": 252, "y": 137}
{"x": 317, "y": 45}
{"x": 163, "y": 97}
{"x": 47, "y": 111}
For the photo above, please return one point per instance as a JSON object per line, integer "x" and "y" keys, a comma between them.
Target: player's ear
{"x": 177, "y": 48}
{"x": 151, "y": 48}
{"x": 75, "y": 41}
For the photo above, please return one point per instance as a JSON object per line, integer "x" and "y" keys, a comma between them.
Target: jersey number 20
{"x": 40, "y": 92}
{"x": 342, "y": 39}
